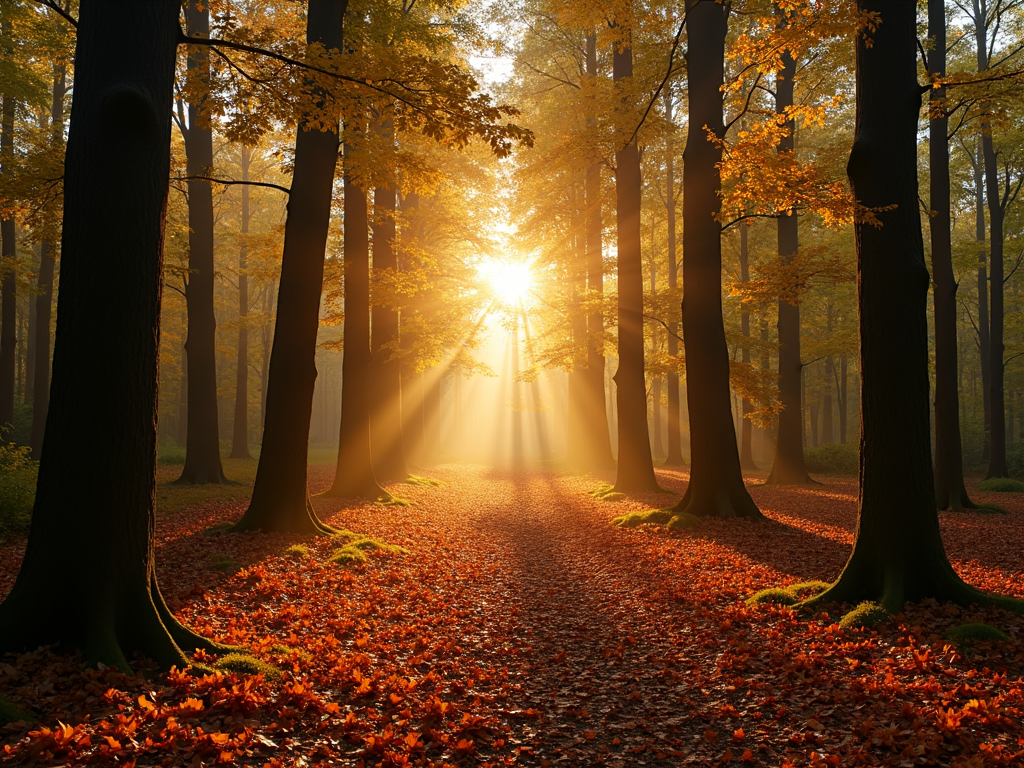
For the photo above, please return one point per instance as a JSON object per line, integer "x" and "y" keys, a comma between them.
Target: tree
{"x": 91, "y": 538}
{"x": 280, "y": 498}
{"x": 8, "y": 232}
{"x": 635, "y": 470}
{"x": 716, "y": 481}
{"x": 675, "y": 443}
{"x": 202, "y": 446}
{"x": 240, "y": 427}
{"x": 898, "y": 554}
{"x": 950, "y": 492}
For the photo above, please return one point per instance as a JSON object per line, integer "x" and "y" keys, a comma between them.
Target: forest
{"x": 512, "y": 383}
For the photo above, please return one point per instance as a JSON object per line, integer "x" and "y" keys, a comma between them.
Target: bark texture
{"x": 280, "y": 499}
{"x": 8, "y": 276}
{"x": 91, "y": 539}
{"x": 675, "y": 440}
{"x": 716, "y": 483}
{"x": 635, "y": 466}
{"x": 898, "y": 554}
{"x": 240, "y": 428}
{"x": 746, "y": 428}
{"x": 202, "y": 442}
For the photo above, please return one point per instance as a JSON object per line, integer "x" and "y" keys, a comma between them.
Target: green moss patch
{"x": 867, "y": 614}
{"x": 775, "y": 595}
{"x": 395, "y": 501}
{"x": 348, "y": 555}
{"x": 808, "y": 589}
{"x": 223, "y": 563}
{"x": 298, "y": 551}
{"x": 243, "y": 664}
{"x": 1001, "y": 485}
{"x": 633, "y": 519}
{"x": 425, "y": 482}
{"x": 286, "y": 650}
{"x": 977, "y": 631}
{"x": 683, "y": 521}
{"x": 10, "y": 713}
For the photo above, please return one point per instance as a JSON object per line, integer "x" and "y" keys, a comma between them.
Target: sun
{"x": 511, "y": 281}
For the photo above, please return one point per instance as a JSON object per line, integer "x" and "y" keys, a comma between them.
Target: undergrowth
{"x": 966, "y": 634}
{"x": 17, "y": 488}
{"x": 1001, "y": 485}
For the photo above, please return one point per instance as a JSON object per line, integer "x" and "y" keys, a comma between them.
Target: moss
{"x": 867, "y": 614}
{"x": 10, "y": 713}
{"x": 297, "y": 551}
{"x": 806, "y": 589}
{"x": 967, "y": 633}
{"x": 633, "y": 519}
{"x": 683, "y": 521}
{"x": 217, "y": 529}
{"x": 775, "y": 595}
{"x": 243, "y": 664}
{"x": 223, "y": 563}
{"x": 362, "y": 542}
{"x": 602, "y": 490}
{"x": 287, "y": 650}
{"x": 348, "y": 554}
{"x": 425, "y": 482}
{"x": 395, "y": 501}
{"x": 1001, "y": 485}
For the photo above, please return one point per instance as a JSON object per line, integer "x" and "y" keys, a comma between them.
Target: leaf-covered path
{"x": 519, "y": 627}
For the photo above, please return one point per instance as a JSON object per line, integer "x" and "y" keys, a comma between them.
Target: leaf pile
{"x": 509, "y": 623}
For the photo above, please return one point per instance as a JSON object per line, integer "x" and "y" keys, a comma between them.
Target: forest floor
{"x": 519, "y": 627}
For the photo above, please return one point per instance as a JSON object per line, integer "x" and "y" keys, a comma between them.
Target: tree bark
{"x": 716, "y": 482}
{"x": 657, "y": 448}
{"x": 8, "y": 277}
{"x": 898, "y": 554}
{"x": 580, "y": 416}
{"x": 788, "y": 467}
{"x": 950, "y": 491}
{"x": 240, "y": 427}
{"x": 675, "y": 442}
{"x": 280, "y": 498}
{"x": 354, "y": 475}
{"x": 91, "y": 538}
{"x": 386, "y": 443}
{"x": 635, "y": 466}
{"x": 746, "y": 428}
{"x": 600, "y": 451}
{"x": 983, "y": 313}
{"x": 202, "y": 443}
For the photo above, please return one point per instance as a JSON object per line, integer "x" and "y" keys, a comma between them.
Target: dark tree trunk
{"x": 353, "y": 476}
{"x": 716, "y": 482}
{"x": 432, "y": 413}
{"x": 950, "y": 492}
{"x": 580, "y": 415}
{"x": 746, "y": 428}
{"x": 30, "y": 350}
{"x": 91, "y": 539}
{"x": 8, "y": 277}
{"x": 983, "y": 314}
{"x": 280, "y": 499}
{"x": 600, "y": 450}
{"x": 657, "y": 448}
{"x": 44, "y": 299}
{"x": 827, "y": 429}
{"x": 202, "y": 446}
{"x": 675, "y": 442}
{"x": 788, "y": 467}
{"x": 635, "y": 466}
{"x": 386, "y": 443}
{"x": 898, "y": 554}
{"x": 240, "y": 428}
{"x": 182, "y": 437}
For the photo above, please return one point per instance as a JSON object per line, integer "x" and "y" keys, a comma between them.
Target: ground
{"x": 519, "y": 627}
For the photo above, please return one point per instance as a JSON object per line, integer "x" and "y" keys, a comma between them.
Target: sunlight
{"x": 511, "y": 281}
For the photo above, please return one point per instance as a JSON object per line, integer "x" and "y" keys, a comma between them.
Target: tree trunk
{"x": 432, "y": 413}
{"x": 182, "y": 436}
{"x": 280, "y": 499}
{"x": 635, "y": 467}
{"x": 950, "y": 491}
{"x": 386, "y": 443}
{"x": 30, "y": 350}
{"x": 788, "y": 467}
{"x": 600, "y": 450}
{"x": 675, "y": 443}
{"x": 581, "y": 412}
{"x": 240, "y": 428}
{"x": 716, "y": 482}
{"x": 202, "y": 446}
{"x": 898, "y": 554}
{"x": 8, "y": 278}
{"x": 353, "y": 475}
{"x": 91, "y": 538}
{"x": 983, "y": 314}
{"x": 746, "y": 428}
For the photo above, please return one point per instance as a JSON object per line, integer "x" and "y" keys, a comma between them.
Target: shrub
{"x": 1001, "y": 485}
{"x": 17, "y": 488}
{"x": 833, "y": 459}
{"x": 170, "y": 453}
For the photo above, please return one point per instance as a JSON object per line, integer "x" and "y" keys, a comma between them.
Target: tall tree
{"x": 716, "y": 483}
{"x": 746, "y": 427}
{"x": 950, "y": 491}
{"x": 44, "y": 299}
{"x": 675, "y": 442}
{"x": 240, "y": 428}
{"x": 898, "y": 554}
{"x": 91, "y": 538}
{"x": 788, "y": 467}
{"x": 635, "y": 466}
{"x": 202, "y": 442}
{"x": 280, "y": 498}
{"x": 354, "y": 475}
{"x": 8, "y": 234}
